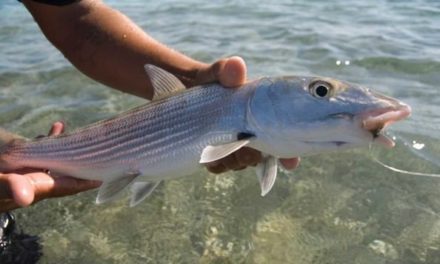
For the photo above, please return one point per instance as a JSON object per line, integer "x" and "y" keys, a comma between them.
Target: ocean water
{"x": 339, "y": 208}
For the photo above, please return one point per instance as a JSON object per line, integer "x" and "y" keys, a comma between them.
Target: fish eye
{"x": 321, "y": 89}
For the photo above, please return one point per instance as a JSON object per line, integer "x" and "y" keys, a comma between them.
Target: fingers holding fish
{"x": 16, "y": 189}
{"x": 244, "y": 158}
{"x": 26, "y": 186}
{"x": 290, "y": 164}
{"x": 230, "y": 72}
{"x": 46, "y": 186}
{"x": 239, "y": 160}
{"x": 21, "y": 190}
{"x": 56, "y": 129}
{"x": 49, "y": 187}
{"x": 216, "y": 168}
{"x": 248, "y": 157}
{"x": 225, "y": 164}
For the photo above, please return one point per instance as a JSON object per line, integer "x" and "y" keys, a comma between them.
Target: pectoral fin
{"x": 164, "y": 83}
{"x": 267, "y": 173}
{"x": 110, "y": 190}
{"x": 213, "y": 153}
{"x": 141, "y": 190}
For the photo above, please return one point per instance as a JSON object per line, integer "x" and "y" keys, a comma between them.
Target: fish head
{"x": 294, "y": 116}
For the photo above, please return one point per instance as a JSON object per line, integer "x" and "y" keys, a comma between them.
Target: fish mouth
{"x": 375, "y": 121}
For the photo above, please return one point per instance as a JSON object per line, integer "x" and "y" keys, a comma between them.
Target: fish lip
{"x": 376, "y": 120}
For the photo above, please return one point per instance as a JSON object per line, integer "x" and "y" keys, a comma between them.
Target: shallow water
{"x": 341, "y": 208}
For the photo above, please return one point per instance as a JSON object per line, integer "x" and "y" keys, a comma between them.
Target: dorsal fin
{"x": 164, "y": 83}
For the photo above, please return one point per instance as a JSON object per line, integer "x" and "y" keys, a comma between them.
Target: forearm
{"x": 107, "y": 46}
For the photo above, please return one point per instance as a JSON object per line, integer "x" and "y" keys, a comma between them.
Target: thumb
{"x": 21, "y": 189}
{"x": 229, "y": 72}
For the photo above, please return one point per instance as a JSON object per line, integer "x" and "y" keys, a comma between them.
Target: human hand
{"x": 26, "y": 187}
{"x": 231, "y": 72}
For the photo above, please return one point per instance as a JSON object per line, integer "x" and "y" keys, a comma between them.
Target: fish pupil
{"x": 321, "y": 91}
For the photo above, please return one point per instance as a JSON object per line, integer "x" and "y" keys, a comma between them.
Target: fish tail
{"x": 7, "y": 139}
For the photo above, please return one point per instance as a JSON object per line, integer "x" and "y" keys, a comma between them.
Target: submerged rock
{"x": 15, "y": 246}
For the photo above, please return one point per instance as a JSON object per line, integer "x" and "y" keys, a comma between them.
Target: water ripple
{"x": 334, "y": 209}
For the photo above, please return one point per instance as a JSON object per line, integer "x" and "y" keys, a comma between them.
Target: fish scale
{"x": 150, "y": 124}
{"x": 281, "y": 117}
{"x": 146, "y": 132}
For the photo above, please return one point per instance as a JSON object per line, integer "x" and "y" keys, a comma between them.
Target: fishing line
{"x": 414, "y": 173}
{"x": 416, "y": 148}
{"x": 418, "y": 153}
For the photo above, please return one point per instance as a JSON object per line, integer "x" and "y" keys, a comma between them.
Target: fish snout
{"x": 388, "y": 111}
{"x": 377, "y": 119}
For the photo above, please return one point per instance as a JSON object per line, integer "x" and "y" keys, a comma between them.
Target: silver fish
{"x": 183, "y": 128}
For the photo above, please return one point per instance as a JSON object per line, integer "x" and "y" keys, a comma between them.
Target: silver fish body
{"x": 160, "y": 139}
{"x": 170, "y": 137}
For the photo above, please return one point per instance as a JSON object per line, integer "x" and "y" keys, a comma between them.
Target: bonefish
{"x": 182, "y": 128}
